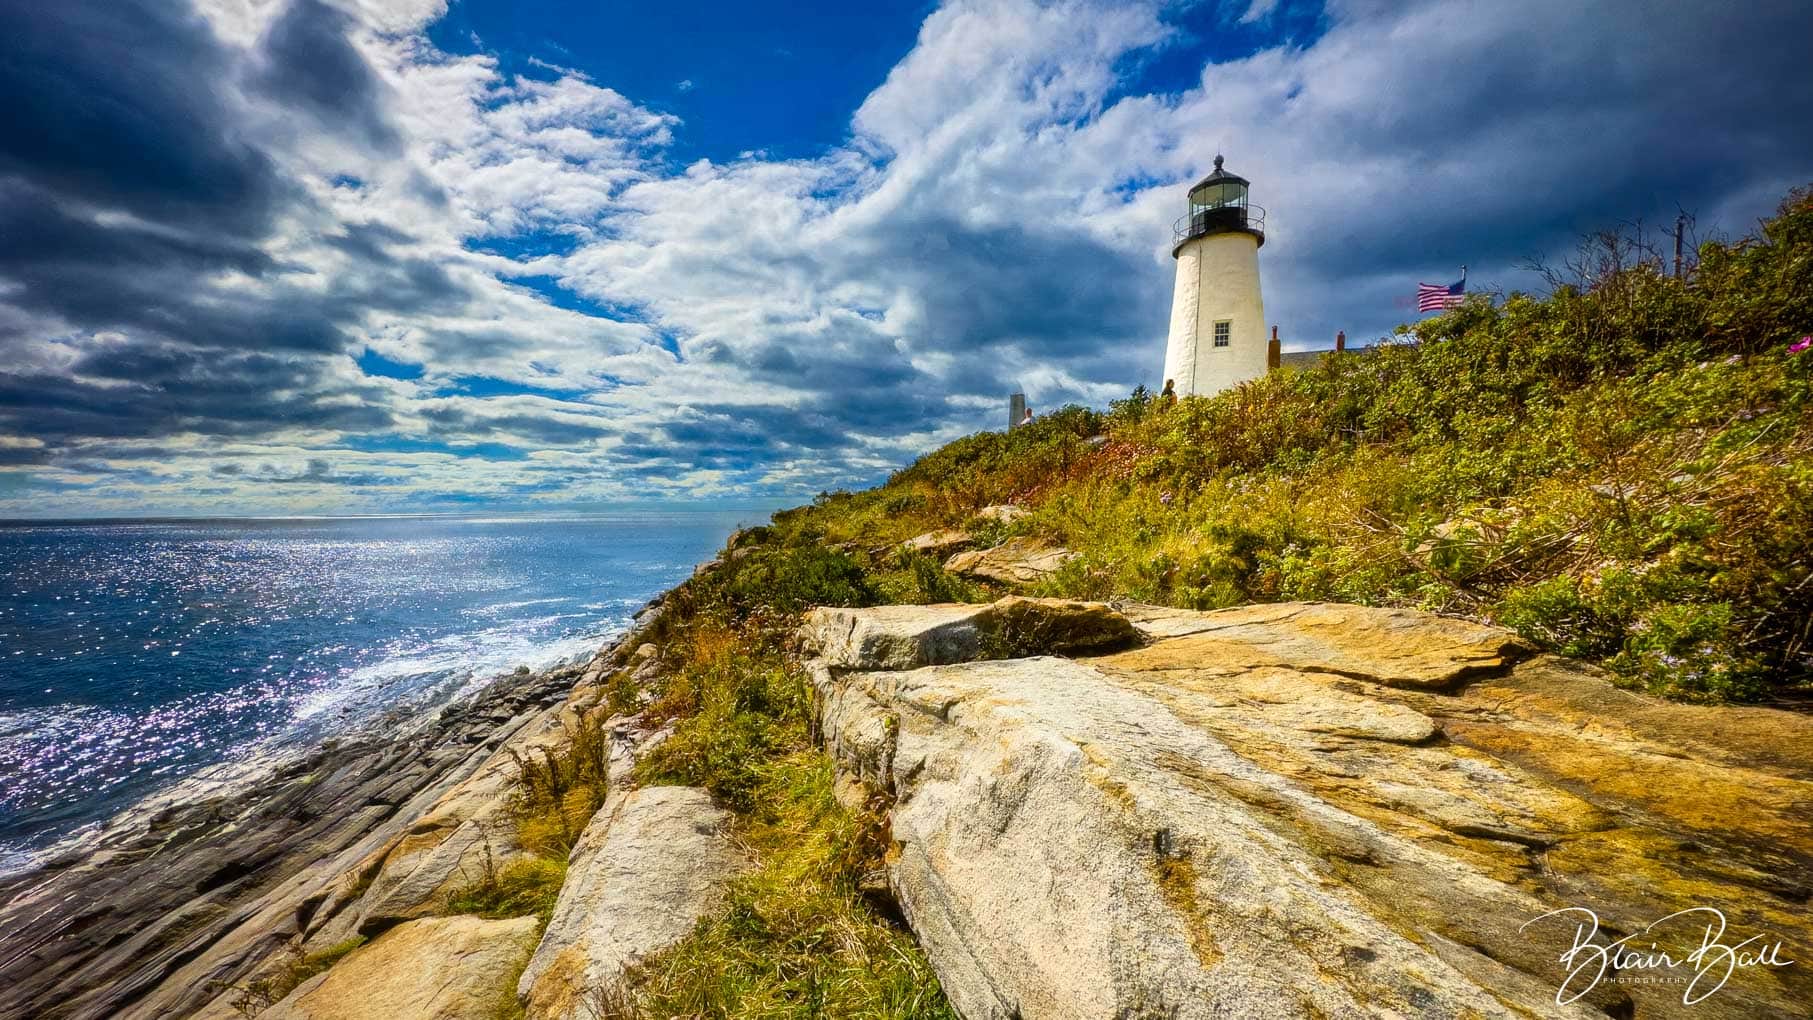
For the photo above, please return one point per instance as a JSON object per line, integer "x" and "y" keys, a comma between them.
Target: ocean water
{"x": 133, "y": 655}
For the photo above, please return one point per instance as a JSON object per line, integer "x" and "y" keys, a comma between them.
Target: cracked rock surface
{"x": 1316, "y": 810}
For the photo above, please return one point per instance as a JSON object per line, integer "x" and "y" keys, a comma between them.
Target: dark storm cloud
{"x": 474, "y": 421}
{"x": 1560, "y": 121}
{"x": 851, "y": 359}
{"x": 160, "y": 391}
{"x": 1059, "y": 291}
{"x": 118, "y": 104}
{"x": 131, "y": 178}
{"x": 320, "y": 472}
{"x": 308, "y": 64}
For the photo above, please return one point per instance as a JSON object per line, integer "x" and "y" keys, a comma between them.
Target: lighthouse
{"x": 1217, "y": 337}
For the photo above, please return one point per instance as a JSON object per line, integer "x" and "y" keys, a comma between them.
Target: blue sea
{"x": 135, "y": 654}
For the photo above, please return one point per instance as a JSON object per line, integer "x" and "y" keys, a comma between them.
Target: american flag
{"x": 1433, "y": 297}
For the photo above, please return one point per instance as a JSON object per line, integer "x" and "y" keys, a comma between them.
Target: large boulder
{"x": 648, "y": 866}
{"x": 893, "y": 637}
{"x": 438, "y": 968}
{"x": 1314, "y": 810}
{"x": 902, "y": 637}
{"x": 1019, "y": 560}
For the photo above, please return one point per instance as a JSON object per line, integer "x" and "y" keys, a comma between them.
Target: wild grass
{"x": 909, "y": 577}
{"x": 521, "y": 887}
{"x": 795, "y": 938}
{"x": 560, "y": 787}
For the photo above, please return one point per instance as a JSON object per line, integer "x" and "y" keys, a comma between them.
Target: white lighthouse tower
{"x": 1217, "y": 319}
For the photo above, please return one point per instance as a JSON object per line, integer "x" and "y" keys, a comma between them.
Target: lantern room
{"x": 1218, "y": 205}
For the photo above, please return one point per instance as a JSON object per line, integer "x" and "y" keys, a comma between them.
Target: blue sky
{"x": 781, "y": 79}
{"x": 345, "y": 256}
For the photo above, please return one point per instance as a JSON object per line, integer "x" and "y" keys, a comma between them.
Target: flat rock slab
{"x": 1396, "y": 647}
{"x": 940, "y": 543}
{"x": 905, "y": 637}
{"x": 1310, "y": 810}
{"x": 650, "y": 863}
{"x": 439, "y": 968}
{"x": 1018, "y": 560}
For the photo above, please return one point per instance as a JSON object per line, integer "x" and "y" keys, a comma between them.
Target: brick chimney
{"x": 1340, "y": 341}
{"x": 1274, "y": 355}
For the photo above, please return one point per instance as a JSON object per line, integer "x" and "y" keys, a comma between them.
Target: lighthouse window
{"x": 1222, "y": 330}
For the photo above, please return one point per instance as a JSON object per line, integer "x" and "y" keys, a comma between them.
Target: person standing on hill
{"x": 1027, "y": 418}
{"x": 1169, "y": 396}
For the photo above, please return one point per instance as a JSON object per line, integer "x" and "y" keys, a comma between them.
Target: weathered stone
{"x": 645, "y": 651}
{"x": 894, "y": 637}
{"x": 1258, "y": 816}
{"x": 468, "y": 830}
{"x": 648, "y": 866}
{"x": 1018, "y": 560}
{"x": 440, "y": 968}
{"x": 905, "y": 637}
{"x": 1014, "y": 626}
{"x": 939, "y": 543}
{"x": 1396, "y": 647}
{"x": 1003, "y": 513}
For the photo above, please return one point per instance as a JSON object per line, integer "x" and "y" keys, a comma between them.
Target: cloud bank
{"x": 268, "y": 256}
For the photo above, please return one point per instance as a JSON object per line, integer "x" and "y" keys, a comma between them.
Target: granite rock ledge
{"x": 1308, "y": 810}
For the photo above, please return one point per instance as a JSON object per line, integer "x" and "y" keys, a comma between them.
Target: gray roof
{"x": 1307, "y": 359}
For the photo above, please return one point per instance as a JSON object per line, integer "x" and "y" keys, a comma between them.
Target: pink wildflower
{"x": 1805, "y": 342}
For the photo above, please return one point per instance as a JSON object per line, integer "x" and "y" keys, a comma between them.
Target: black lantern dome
{"x": 1218, "y": 205}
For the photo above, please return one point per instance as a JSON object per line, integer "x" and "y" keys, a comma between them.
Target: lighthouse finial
{"x": 1218, "y": 161}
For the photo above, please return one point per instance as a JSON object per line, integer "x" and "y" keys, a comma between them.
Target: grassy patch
{"x": 796, "y": 938}
{"x": 913, "y": 578}
{"x": 524, "y": 886}
{"x": 560, "y": 788}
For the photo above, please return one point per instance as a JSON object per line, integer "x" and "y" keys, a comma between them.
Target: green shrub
{"x": 736, "y": 709}
{"x": 523, "y": 887}
{"x": 918, "y": 579}
{"x": 792, "y": 578}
